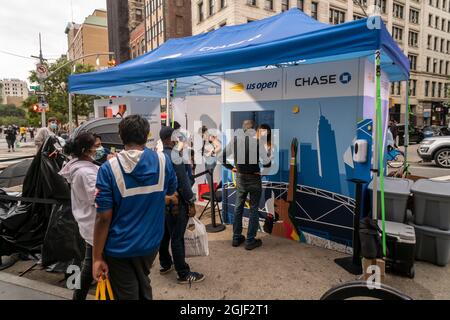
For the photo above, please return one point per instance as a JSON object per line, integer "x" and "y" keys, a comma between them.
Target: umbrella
{"x": 14, "y": 174}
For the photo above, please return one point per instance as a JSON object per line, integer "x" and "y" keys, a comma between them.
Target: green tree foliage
{"x": 10, "y": 110}
{"x": 57, "y": 96}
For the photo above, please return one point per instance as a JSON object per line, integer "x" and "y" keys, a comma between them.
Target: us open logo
{"x": 345, "y": 78}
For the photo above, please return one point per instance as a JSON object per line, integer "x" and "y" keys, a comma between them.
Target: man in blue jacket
{"x": 177, "y": 216}
{"x": 131, "y": 191}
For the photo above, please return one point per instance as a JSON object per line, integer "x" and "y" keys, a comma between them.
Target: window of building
{"x": 393, "y": 88}
{"x": 223, "y": 24}
{"x": 314, "y": 9}
{"x": 138, "y": 14}
{"x": 412, "y": 61}
{"x": 212, "y": 4}
{"x": 357, "y": 16}
{"x": 412, "y": 87}
{"x": 284, "y": 5}
{"x": 397, "y": 33}
{"x": 439, "y": 89}
{"x": 430, "y": 2}
{"x": 435, "y": 43}
{"x": 437, "y": 3}
{"x": 142, "y": 46}
{"x": 443, "y": 24}
{"x": 179, "y": 24}
{"x": 427, "y": 87}
{"x": 399, "y": 88}
{"x": 269, "y": 4}
{"x": 250, "y": 20}
{"x": 301, "y": 4}
{"x": 413, "y": 16}
{"x": 446, "y": 90}
{"x": 398, "y": 11}
{"x": 430, "y": 39}
{"x": 448, "y": 23}
{"x": 223, "y": 4}
{"x": 433, "y": 88}
{"x": 430, "y": 20}
{"x": 337, "y": 16}
{"x": 442, "y": 45}
{"x": 413, "y": 39}
{"x": 436, "y": 23}
{"x": 381, "y": 4}
{"x": 200, "y": 11}
{"x": 446, "y": 68}
{"x": 434, "y": 65}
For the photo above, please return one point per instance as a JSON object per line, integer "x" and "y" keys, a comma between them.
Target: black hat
{"x": 166, "y": 132}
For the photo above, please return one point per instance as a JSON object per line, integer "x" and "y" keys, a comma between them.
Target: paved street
{"x": 10, "y": 291}
{"x": 426, "y": 169}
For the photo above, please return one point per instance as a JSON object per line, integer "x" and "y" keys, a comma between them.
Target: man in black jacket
{"x": 177, "y": 218}
{"x": 245, "y": 149}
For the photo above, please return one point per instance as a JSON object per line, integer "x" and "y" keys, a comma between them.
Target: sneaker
{"x": 191, "y": 277}
{"x": 166, "y": 270}
{"x": 255, "y": 244}
{"x": 237, "y": 243}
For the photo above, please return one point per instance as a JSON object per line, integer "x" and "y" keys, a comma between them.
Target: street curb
{"x": 38, "y": 286}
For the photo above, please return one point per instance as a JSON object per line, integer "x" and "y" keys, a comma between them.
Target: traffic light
{"x": 112, "y": 63}
{"x": 36, "y": 108}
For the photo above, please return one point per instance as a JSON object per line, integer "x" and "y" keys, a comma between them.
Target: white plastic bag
{"x": 196, "y": 239}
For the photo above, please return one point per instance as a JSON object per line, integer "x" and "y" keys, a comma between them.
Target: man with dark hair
{"x": 248, "y": 181}
{"x": 177, "y": 217}
{"x": 130, "y": 201}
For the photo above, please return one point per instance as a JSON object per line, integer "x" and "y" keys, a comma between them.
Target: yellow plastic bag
{"x": 103, "y": 287}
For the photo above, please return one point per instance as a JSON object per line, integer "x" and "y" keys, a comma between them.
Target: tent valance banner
{"x": 289, "y": 37}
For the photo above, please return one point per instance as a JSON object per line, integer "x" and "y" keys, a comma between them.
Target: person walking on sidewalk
{"x": 23, "y": 134}
{"x": 130, "y": 201}
{"x": 43, "y": 133}
{"x": 81, "y": 174}
{"x": 10, "y": 135}
{"x": 177, "y": 218}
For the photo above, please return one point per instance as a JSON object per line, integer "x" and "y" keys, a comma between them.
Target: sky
{"x": 20, "y": 24}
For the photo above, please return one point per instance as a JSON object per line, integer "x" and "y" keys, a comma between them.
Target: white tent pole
{"x": 375, "y": 152}
{"x": 168, "y": 104}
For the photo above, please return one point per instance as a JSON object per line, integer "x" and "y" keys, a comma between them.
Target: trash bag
{"x": 62, "y": 241}
{"x": 23, "y": 228}
{"x": 369, "y": 234}
{"x": 196, "y": 239}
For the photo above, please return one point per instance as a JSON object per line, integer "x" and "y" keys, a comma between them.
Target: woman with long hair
{"x": 81, "y": 174}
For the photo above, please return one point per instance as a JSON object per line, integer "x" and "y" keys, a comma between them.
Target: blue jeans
{"x": 175, "y": 226}
{"x": 247, "y": 184}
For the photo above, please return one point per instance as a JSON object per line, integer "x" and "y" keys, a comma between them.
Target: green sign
{"x": 35, "y": 88}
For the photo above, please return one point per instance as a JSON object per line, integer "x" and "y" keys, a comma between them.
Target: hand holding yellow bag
{"x": 103, "y": 286}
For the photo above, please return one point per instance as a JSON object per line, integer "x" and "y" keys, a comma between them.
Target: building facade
{"x": 137, "y": 41}
{"x": 89, "y": 38}
{"x": 165, "y": 20}
{"x": 420, "y": 27}
{"x": 118, "y": 29}
{"x": 13, "y": 91}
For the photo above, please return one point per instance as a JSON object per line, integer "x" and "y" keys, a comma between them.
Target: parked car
{"x": 437, "y": 149}
{"x": 415, "y": 135}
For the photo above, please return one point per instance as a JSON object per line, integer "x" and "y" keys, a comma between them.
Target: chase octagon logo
{"x": 345, "y": 78}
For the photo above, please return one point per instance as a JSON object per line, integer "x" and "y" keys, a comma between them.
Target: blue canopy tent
{"x": 291, "y": 37}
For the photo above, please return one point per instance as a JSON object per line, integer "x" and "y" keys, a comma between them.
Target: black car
{"x": 415, "y": 135}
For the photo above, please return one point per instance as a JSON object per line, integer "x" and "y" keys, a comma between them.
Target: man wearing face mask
{"x": 44, "y": 133}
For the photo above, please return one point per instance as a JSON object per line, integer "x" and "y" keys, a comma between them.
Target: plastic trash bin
{"x": 432, "y": 245}
{"x": 432, "y": 203}
{"x": 401, "y": 247}
{"x": 396, "y": 194}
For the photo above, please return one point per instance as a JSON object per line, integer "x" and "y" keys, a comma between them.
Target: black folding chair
{"x": 217, "y": 198}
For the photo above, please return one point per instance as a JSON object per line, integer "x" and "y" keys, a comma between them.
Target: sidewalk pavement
{"x": 16, "y": 288}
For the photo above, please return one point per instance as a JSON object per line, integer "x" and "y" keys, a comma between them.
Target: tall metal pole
{"x": 41, "y": 83}
{"x": 70, "y": 113}
{"x": 406, "y": 139}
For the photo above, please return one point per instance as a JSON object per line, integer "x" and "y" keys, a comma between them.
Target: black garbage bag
{"x": 369, "y": 234}
{"x": 23, "y": 229}
{"x": 62, "y": 242}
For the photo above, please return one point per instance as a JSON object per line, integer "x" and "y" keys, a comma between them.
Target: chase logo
{"x": 345, "y": 78}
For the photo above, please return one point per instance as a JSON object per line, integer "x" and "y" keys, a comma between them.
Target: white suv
{"x": 437, "y": 149}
